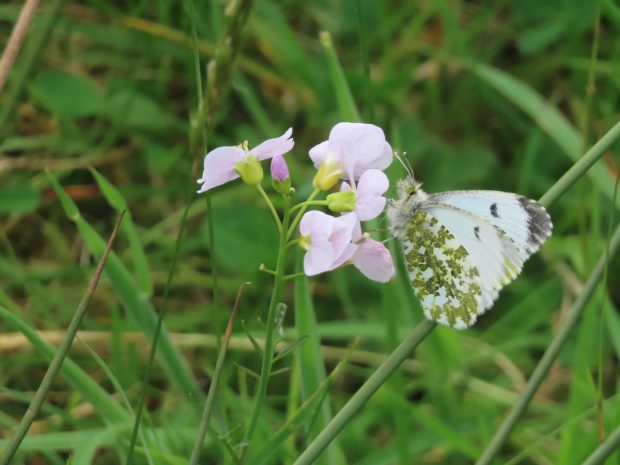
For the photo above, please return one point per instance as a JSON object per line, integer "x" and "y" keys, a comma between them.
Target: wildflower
{"x": 225, "y": 164}
{"x": 280, "y": 177}
{"x": 352, "y": 148}
{"x": 370, "y": 201}
{"x": 327, "y": 241}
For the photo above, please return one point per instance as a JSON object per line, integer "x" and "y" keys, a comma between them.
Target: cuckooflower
{"x": 370, "y": 201}
{"x": 351, "y": 149}
{"x": 327, "y": 240}
{"x": 225, "y": 164}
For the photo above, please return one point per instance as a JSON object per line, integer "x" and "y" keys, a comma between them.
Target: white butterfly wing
{"x": 522, "y": 219}
{"x": 441, "y": 271}
{"x": 496, "y": 256}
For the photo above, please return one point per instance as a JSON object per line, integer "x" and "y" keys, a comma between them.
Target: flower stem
{"x": 270, "y": 205}
{"x": 297, "y": 219}
{"x": 268, "y": 351}
{"x": 307, "y": 203}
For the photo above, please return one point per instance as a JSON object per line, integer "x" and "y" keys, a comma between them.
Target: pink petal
{"x": 373, "y": 259}
{"x": 316, "y": 224}
{"x": 272, "y": 147}
{"x": 319, "y": 153}
{"x": 361, "y": 146}
{"x": 343, "y": 233}
{"x": 219, "y": 167}
{"x": 346, "y": 254}
{"x": 319, "y": 258}
{"x": 370, "y": 189}
{"x": 279, "y": 169}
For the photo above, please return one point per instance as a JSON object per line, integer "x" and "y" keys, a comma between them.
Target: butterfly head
{"x": 400, "y": 210}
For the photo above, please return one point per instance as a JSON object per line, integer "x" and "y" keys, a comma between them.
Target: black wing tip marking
{"x": 494, "y": 212}
{"x": 539, "y": 223}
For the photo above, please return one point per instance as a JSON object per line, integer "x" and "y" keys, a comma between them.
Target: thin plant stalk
{"x": 61, "y": 353}
{"x": 28, "y": 60}
{"x": 14, "y": 44}
{"x": 550, "y": 354}
{"x": 603, "y": 451}
{"x": 372, "y": 384}
{"x": 265, "y": 374}
{"x": 156, "y": 334}
{"x": 211, "y": 396}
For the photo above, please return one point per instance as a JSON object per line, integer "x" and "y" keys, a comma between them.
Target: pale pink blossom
{"x": 369, "y": 200}
{"x": 327, "y": 241}
{"x": 373, "y": 259}
{"x": 352, "y": 148}
{"x": 220, "y": 164}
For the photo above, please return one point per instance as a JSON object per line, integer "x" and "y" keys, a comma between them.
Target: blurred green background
{"x": 479, "y": 95}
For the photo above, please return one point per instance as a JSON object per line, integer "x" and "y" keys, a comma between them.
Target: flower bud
{"x": 250, "y": 170}
{"x": 280, "y": 178}
{"x": 327, "y": 176}
{"x": 340, "y": 202}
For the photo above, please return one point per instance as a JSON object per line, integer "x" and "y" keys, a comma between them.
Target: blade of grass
{"x": 79, "y": 380}
{"x": 29, "y": 58}
{"x": 346, "y": 103}
{"x": 118, "y": 202}
{"x": 361, "y": 396}
{"x": 561, "y": 131}
{"x": 603, "y": 451}
{"x": 61, "y": 353}
{"x": 219, "y": 365}
{"x": 550, "y": 354}
{"x": 14, "y": 44}
{"x": 311, "y": 363}
{"x": 138, "y": 308}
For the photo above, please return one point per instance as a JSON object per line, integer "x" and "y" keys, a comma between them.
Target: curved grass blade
{"x": 117, "y": 201}
{"x": 557, "y": 127}
{"x": 59, "y": 356}
{"x": 138, "y": 308}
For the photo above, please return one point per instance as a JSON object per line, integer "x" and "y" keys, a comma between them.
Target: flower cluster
{"x": 355, "y": 154}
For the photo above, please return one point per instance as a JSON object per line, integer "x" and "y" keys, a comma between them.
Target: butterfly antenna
{"x": 402, "y": 158}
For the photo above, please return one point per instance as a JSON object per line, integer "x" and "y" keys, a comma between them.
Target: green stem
{"x": 308, "y": 203}
{"x": 268, "y": 350}
{"x": 270, "y": 205}
{"x": 301, "y": 212}
{"x": 61, "y": 353}
{"x": 583, "y": 165}
{"x": 550, "y": 354}
{"x": 364, "y": 393}
{"x": 603, "y": 451}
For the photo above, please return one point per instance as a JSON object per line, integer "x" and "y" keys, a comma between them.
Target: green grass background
{"x": 480, "y": 95}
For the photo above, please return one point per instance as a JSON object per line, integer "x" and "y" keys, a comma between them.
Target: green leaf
{"x": 66, "y": 95}
{"x": 20, "y": 198}
{"x": 133, "y": 110}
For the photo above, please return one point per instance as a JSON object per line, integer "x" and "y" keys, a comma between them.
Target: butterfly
{"x": 462, "y": 247}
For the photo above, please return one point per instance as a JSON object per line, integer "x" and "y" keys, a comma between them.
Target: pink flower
{"x": 327, "y": 241}
{"x": 352, "y": 148}
{"x": 370, "y": 201}
{"x": 220, "y": 164}
{"x": 373, "y": 259}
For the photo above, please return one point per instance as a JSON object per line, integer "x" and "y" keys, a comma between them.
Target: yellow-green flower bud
{"x": 327, "y": 176}
{"x": 250, "y": 170}
{"x": 304, "y": 242}
{"x": 340, "y": 202}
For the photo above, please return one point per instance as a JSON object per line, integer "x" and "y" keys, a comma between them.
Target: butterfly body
{"x": 462, "y": 247}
